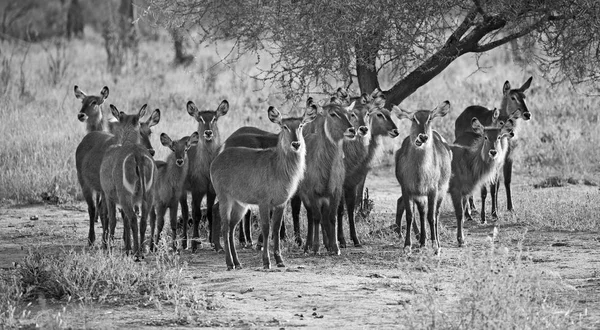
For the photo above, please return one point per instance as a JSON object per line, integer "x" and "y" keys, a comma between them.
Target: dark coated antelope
{"x": 88, "y": 157}
{"x": 168, "y": 185}
{"x": 374, "y": 123}
{"x": 476, "y": 159}
{"x": 321, "y": 189}
{"x": 198, "y": 180}
{"x": 91, "y": 112}
{"x": 264, "y": 177}
{"x": 512, "y": 105}
{"x": 127, "y": 176}
{"x": 423, "y": 166}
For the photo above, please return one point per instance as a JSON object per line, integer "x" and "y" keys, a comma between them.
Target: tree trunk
{"x": 366, "y": 69}
{"x": 75, "y": 19}
{"x": 180, "y": 56}
{"x": 128, "y": 31}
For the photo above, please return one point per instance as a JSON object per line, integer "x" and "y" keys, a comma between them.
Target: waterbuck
{"x": 88, "y": 158}
{"x": 374, "y": 123}
{"x": 198, "y": 180}
{"x": 423, "y": 165}
{"x": 265, "y": 177}
{"x": 321, "y": 188}
{"x": 476, "y": 159}
{"x": 90, "y": 111}
{"x": 511, "y": 105}
{"x": 127, "y": 177}
{"x": 168, "y": 184}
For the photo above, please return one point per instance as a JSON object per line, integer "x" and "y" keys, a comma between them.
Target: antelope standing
{"x": 88, "y": 158}
{"x": 476, "y": 159}
{"x": 423, "y": 166}
{"x": 321, "y": 188}
{"x": 127, "y": 177}
{"x": 168, "y": 184}
{"x": 263, "y": 177}
{"x": 375, "y": 122}
{"x": 512, "y": 104}
{"x": 198, "y": 180}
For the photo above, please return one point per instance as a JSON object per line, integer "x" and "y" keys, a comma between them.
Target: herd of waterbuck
{"x": 116, "y": 170}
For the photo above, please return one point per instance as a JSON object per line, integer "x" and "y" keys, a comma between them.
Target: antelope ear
{"x": 154, "y": 118}
{"x": 79, "y": 93}
{"x": 350, "y": 107}
{"x": 526, "y": 84}
{"x": 192, "y": 109}
{"x": 401, "y": 113}
{"x": 274, "y": 115}
{"x": 309, "y": 101}
{"x": 142, "y": 111}
{"x": 377, "y": 93}
{"x": 165, "y": 140}
{"x": 496, "y": 114}
{"x": 341, "y": 93}
{"x": 115, "y": 112}
{"x": 441, "y": 109}
{"x": 310, "y": 114}
{"x": 365, "y": 98}
{"x": 336, "y": 100}
{"x": 506, "y": 88}
{"x": 223, "y": 108}
{"x": 193, "y": 140}
{"x": 476, "y": 125}
{"x": 104, "y": 93}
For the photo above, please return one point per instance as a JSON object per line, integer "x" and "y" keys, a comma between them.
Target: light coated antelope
{"x": 198, "y": 180}
{"x": 88, "y": 158}
{"x": 264, "y": 177}
{"x": 168, "y": 185}
{"x": 423, "y": 166}
{"x": 511, "y": 105}
{"x": 127, "y": 176}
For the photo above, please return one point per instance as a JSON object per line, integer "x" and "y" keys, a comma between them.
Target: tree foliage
{"x": 314, "y": 42}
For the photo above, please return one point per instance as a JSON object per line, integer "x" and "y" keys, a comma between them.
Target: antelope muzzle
{"x": 208, "y": 135}
{"x": 152, "y": 152}
{"x": 421, "y": 139}
{"x": 296, "y": 145}
{"x": 526, "y": 115}
{"x": 393, "y": 133}
{"x": 81, "y": 116}
{"x": 350, "y": 133}
{"x": 493, "y": 153}
{"x": 179, "y": 162}
{"x": 363, "y": 130}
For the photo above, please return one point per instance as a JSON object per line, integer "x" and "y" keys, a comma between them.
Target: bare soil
{"x": 364, "y": 287}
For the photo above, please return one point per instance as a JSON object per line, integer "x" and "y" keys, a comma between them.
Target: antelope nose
{"x": 152, "y": 152}
{"x": 493, "y": 153}
{"x": 423, "y": 137}
{"x": 527, "y": 115}
{"x": 351, "y": 130}
{"x": 208, "y": 133}
{"x": 394, "y": 133}
{"x": 81, "y": 116}
{"x": 363, "y": 130}
{"x": 179, "y": 162}
{"x": 296, "y": 145}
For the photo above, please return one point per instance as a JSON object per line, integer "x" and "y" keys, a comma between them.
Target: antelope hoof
{"x": 280, "y": 264}
{"x": 469, "y": 217}
{"x": 229, "y": 268}
{"x": 298, "y": 241}
{"x": 267, "y": 266}
{"x": 358, "y": 245}
{"x": 248, "y": 245}
{"x": 461, "y": 242}
{"x": 494, "y": 215}
{"x": 238, "y": 266}
{"x": 218, "y": 248}
{"x": 407, "y": 250}
{"x": 483, "y": 222}
{"x": 335, "y": 251}
{"x": 342, "y": 243}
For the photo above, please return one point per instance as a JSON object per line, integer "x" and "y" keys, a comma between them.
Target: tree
{"x": 315, "y": 42}
{"x": 75, "y": 21}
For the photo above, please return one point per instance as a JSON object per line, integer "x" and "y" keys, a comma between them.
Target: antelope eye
{"x": 486, "y": 138}
{"x": 379, "y": 115}
{"x": 332, "y": 114}
{"x": 501, "y": 123}
{"x": 286, "y": 127}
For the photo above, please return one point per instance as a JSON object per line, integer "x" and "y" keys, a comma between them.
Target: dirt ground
{"x": 364, "y": 287}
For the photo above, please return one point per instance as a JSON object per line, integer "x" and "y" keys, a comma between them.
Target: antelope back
{"x": 90, "y": 111}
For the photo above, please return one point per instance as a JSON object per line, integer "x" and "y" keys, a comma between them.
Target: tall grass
{"x": 41, "y": 131}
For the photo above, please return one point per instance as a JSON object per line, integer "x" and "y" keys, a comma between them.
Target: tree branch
{"x": 502, "y": 41}
{"x": 464, "y": 26}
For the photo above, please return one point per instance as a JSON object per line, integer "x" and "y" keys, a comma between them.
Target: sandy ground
{"x": 364, "y": 287}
